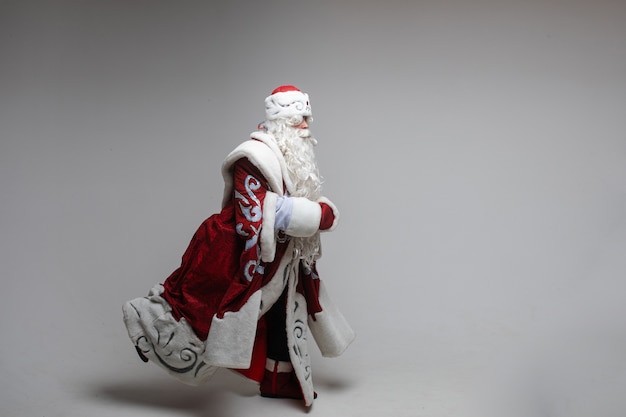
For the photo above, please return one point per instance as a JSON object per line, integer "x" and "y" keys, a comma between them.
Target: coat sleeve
{"x": 250, "y": 191}
{"x": 232, "y": 332}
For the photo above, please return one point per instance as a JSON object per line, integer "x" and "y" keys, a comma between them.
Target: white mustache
{"x": 303, "y": 133}
{"x": 306, "y": 135}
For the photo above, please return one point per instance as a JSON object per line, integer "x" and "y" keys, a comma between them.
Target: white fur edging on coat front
{"x": 231, "y": 338}
{"x": 329, "y": 328}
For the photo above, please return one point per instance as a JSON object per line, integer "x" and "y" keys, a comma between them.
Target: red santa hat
{"x": 287, "y": 101}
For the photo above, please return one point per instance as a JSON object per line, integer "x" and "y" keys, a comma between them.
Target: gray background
{"x": 476, "y": 150}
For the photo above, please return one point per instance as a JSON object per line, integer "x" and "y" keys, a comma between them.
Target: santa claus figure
{"x": 247, "y": 294}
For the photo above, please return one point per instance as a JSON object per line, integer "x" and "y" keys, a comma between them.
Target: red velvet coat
{"x": 210, "y": 311}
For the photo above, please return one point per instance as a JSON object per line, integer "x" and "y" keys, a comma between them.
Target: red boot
{"x": 280, "y": 381}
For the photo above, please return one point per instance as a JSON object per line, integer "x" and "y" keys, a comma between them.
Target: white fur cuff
{"x": 268, "y": 240}
{"x": 305, "y": 218}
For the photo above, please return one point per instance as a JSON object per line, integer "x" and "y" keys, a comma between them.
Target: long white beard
{"x": 297, "y": 147}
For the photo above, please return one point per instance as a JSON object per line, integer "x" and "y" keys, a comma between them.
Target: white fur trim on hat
{"x": 285, "y": 102}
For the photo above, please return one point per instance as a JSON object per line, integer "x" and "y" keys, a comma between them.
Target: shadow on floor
{"x": 220, "y": 397}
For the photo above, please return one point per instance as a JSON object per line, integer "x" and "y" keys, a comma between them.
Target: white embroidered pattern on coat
{"x": 297, "y": 332}
{"x": 250, "y": 207}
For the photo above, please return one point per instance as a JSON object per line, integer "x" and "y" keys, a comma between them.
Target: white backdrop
{"x": 476, "y": 150}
